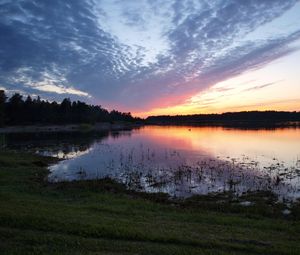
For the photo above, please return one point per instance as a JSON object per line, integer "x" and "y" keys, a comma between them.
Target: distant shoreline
{"x": 105, "y": 126}
{"x": 246, "y": 119}
{"x": 229, "y": 124}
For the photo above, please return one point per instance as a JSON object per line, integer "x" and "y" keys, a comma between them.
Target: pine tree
{"x": 2, "y": 107}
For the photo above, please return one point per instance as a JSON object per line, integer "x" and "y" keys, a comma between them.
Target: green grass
{"x": 102, "y": 217}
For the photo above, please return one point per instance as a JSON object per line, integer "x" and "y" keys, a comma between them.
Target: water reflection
{"x": 183, "y": 161}
{"x": 62, "y": 145}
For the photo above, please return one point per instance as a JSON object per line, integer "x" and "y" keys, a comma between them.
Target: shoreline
{"x": 229, "y": 124}
{"x": 105, "y": 126}
{"x": 118, "y": 126}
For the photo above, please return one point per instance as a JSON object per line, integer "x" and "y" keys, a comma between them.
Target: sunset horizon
{"x": 184, "y": 57}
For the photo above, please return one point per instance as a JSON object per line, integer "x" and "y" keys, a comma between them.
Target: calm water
{"x": 183, "y": 161}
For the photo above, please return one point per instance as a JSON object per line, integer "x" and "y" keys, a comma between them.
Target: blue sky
{"x": 154, "y": 56}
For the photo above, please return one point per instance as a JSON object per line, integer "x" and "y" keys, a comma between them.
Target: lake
{"x": 179, "y": 160}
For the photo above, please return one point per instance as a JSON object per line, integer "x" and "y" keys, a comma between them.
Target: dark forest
{"x": 17, "y": 111}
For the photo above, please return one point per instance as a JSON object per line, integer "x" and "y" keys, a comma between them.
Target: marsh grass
{"x": 103, "y": 217}
{"x": 141, "y": 168}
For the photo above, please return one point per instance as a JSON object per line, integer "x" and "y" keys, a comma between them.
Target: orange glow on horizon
{"x": 273, "y": 87}
{"x": 293, "y": 105}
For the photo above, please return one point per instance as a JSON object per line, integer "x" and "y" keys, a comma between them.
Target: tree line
{"x": 247, "y": 118}
{"x": 19, "y": 111}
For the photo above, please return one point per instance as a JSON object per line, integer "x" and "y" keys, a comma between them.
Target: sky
{"x": 152, "y": 57}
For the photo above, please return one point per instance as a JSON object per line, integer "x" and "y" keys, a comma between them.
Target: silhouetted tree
{"x": 65, "y": 111}
{"x": 15, "y": 111}
{"x": 2, "y": 107}
{"x": 28, "y": 110}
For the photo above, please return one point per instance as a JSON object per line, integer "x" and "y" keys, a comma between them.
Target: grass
{"x": 102, "y": 217}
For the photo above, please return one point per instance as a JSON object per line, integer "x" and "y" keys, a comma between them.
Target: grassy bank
{"x": 101, "y": 217}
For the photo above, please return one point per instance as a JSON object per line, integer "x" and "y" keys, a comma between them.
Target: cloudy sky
{"x": 154, "y": 56}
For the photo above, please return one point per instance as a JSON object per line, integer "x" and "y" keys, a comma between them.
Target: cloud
{"x": 134, "y": 54}
{"x": 262, "y": 86}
